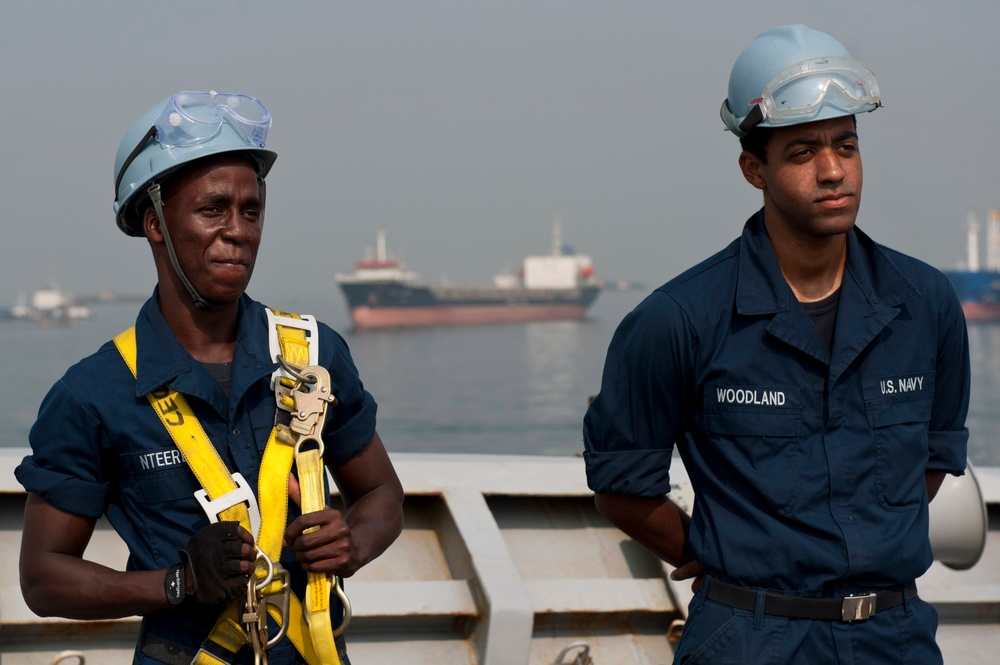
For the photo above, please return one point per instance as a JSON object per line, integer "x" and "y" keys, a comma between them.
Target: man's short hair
{"x": 757, "y": 140}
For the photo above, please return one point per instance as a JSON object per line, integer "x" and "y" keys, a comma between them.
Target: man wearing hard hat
{"x": 815, "y": 384}
{"x": 204, "y": 432}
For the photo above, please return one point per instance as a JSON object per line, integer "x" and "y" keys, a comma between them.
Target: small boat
{"x": 48, "y": 307}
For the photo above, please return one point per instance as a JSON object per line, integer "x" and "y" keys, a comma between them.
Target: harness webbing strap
{"x": 317, "y": 599}
{"x": 190, "y": 438}
{"x": 272, "y": 492}
{"x": 204, "y": 461}
{"x": 228, "y": 634}
{"x": 292, "y": 339}
{"x": 294, "y": 347}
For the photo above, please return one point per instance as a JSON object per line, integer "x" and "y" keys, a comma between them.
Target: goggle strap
{"x": 131, "y": 157}
{"x": 262, "y": 188}
{"x": 754, "y": 118}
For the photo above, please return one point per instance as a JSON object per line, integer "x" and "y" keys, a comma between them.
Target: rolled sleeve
{"x": 948, "y": 451}
{"x": 631, "y": 426}
{"x": 65, "y": 467}
{"x": 351, "y": 424}
{"x": 352, "y": 435}
{"x": 633, "y": 472}
{"x": 63, "y": 491}
{"x": 948, "y": 436}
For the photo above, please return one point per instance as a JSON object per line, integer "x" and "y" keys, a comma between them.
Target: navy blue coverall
{"x": 807, "y": 461}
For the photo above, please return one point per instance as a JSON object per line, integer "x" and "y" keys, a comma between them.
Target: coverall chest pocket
{"x": 899, "y": 412}
{"x": 161, "y": 486}
{"x": 758, "y": 450}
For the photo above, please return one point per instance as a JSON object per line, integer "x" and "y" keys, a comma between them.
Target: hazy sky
{"x": 462, "y": 127}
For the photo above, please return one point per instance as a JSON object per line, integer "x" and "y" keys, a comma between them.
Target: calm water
{"x": 518, "y": 388}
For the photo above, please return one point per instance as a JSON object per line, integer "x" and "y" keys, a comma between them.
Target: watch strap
{"x": 173, "y": 584}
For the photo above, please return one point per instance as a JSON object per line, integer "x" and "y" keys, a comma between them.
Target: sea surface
{"x": 517, "y": 388}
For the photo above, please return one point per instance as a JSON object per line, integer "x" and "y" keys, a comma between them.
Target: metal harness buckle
{"x": 306, "y": 323}
{"x": 857, "y": 608}
{"x": 242, "y": 494}
{"x": 255, "y": 610}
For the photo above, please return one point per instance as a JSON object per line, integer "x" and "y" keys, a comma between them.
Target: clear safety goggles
{"x": 195, "y": 117}
{"x": 800, "y": 92}
{"x": 190, "y": 118}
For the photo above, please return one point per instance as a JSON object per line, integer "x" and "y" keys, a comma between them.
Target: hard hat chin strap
{"x": 199, "y": 302}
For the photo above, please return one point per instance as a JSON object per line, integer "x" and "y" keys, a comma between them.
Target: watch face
{"x": 174, "y": 584}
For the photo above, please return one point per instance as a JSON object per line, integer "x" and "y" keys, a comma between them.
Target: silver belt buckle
{"x": 857, "y": 608}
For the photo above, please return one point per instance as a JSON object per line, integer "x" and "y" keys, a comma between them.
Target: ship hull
{"x": 977, "y": 311}
{"x": 979, "y": 293}
{"x": 398, "y": 305}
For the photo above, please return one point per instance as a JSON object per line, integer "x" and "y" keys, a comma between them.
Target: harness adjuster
{"x": 242, "y": 494}
{"x": 206, "y": 657}
{"x": 857, "y": 608}
{"x": 307, "y": 323}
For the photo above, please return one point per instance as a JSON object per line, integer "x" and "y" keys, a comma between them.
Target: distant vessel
{"x": 49, "y": 307}
{"x": 382, "y": 293}
{"x": 979, "y": 288}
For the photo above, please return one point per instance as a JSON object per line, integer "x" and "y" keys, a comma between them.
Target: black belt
{"x": 846, "y": 608}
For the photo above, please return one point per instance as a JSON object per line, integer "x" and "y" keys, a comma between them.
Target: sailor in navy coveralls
{"x": 815, "y": 384}
{"x": 189, "y": 178}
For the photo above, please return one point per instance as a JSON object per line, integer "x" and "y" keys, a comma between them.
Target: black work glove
{"x": 212, "y": 558}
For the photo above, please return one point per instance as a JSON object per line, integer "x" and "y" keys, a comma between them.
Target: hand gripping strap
{"x": 273, "y": 493}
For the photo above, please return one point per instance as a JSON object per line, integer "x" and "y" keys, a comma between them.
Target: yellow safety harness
{"x": 303, "y": 388}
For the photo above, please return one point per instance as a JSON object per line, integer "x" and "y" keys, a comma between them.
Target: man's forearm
{"x": 57, "y": 581}
{"x": 934, "y": 479}
{"x": 375, "y": 522}
{"x": 655, "y": 522}
{"x": 63, "y": 585}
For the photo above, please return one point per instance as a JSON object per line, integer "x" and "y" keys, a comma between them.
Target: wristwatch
{"x": 173, "y": 584}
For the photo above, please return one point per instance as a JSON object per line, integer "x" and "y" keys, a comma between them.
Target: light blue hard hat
{"x": 794, "y": 74}
{"x": 180, "y": 129}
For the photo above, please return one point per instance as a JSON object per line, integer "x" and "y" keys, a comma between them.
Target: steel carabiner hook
{"x": 338, "y": 589}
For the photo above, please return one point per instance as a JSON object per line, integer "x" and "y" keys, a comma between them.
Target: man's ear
{"x": 752, "y": 169}
{"x": 151, "y": 225}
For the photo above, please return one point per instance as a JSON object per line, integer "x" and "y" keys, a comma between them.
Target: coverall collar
{"x": 162, "y": 360}
{"x": 762, "y": 289}
{"x": 871, "y": 293}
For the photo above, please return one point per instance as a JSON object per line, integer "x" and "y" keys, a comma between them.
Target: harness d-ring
{"x": 269, "y": 565}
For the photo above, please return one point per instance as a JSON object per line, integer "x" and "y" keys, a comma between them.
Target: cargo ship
{"x": 979, "y": 286}
{"x": 382, "y": 293}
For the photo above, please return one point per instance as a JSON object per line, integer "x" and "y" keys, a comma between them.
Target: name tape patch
{"x": 161, "y": 459}
{"x": 752, "y": 396}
